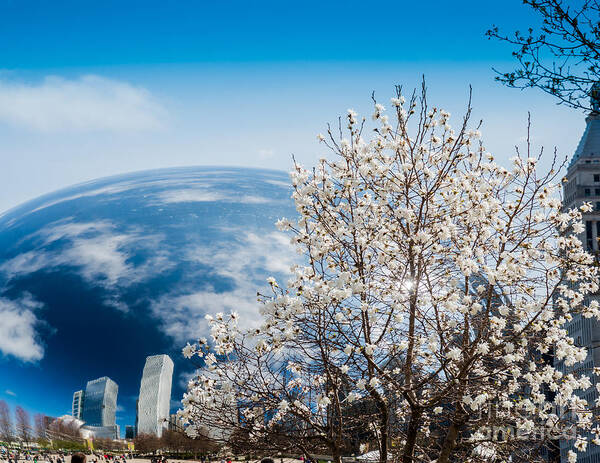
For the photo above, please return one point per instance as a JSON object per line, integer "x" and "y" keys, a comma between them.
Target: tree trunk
{"x": 449, "y": 443}
{"x": 460, "y": 418}
{"x": 336, "y": 454}
{"x": 411, "y": 436}
{"x": 384, "y": 434}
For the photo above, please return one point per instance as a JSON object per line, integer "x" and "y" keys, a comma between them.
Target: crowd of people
{"x": 78, "y": 457}
{"x": 16, "y": 457}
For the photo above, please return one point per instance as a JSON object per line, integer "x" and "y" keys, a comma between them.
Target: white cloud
{"x": 280, "y": 183}
{"x": 99, "y": 256}
{"x": 11, "y": 393}
{"x": 102, "y": 254}
{"x": 89, "y": 103}
{"x": 18, "y": 336}
{"x": 99, "y": 251}
{"x": 182, "y": 316}
{"x": 189, "y": 195}
{"x": 107, "y": 191}
{"x": 246, "y": 264}
{"x": 254, "y": 255}
{"x": 252, "y": 199}
{"x": 201, "y": 195}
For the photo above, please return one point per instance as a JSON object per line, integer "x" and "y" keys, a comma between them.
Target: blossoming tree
{"x": 429, "y": 313}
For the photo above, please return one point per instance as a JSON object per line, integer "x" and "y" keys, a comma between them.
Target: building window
{"x": 597, "y": 191}
{"x": 588, "y": 235}
{"x": 598, "y": 208}
{"x": 587, "y": 191}
{"x": 596, "y": 178}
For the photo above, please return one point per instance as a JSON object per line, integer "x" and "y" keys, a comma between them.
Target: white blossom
{"x": 427, "y": 273}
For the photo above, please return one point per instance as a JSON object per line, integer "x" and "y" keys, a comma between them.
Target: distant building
{"x": 175, "y": 422}
{"x": 583, "y": 185}
{"x": 77, "y": 405}
{"x": 137, "y": 418}
{"x": 102, "y": 432}
{"x": 229, "y": 410}
{"x": 45, "y": 422}
{"x": 55, "y": 429}
{"x": 129, "y": 432}
{"x": 154, "y": 402}
{"x": 100, "y": 403}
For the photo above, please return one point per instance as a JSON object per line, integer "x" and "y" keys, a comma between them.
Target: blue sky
{"x": 84, "y": 33}
{"x": 90, "y": 89}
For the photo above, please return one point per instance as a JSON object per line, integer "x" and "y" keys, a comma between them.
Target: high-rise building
{"x": 77, "y": 406}
{"x": 45, "y": 423}
{"x": 100, "y": 402}
{"x": 129, "y": 432}
{"x": 137, "y": 415}
{"x": 175, "y": 423}
{"x": 154, "y": 402}
{"x": 583, "y": 184}
{"x": 228, "y": 409}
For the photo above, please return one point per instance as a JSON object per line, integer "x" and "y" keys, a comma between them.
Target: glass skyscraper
{"x": 129, "y": 432}
{"x": 77, "y": 406}
{"x": 154, "y": 402}
{"x": 100, "y": 403}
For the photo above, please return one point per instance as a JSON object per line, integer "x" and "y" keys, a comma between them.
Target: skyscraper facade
{"x": 129, "y": 432}
{"x": 175, "y": 423}
{"x": 100, "y": 402}
{"x": 154, "y": 402}
{"x": 583, "y": 185}
{"x": 77, "y": 405}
